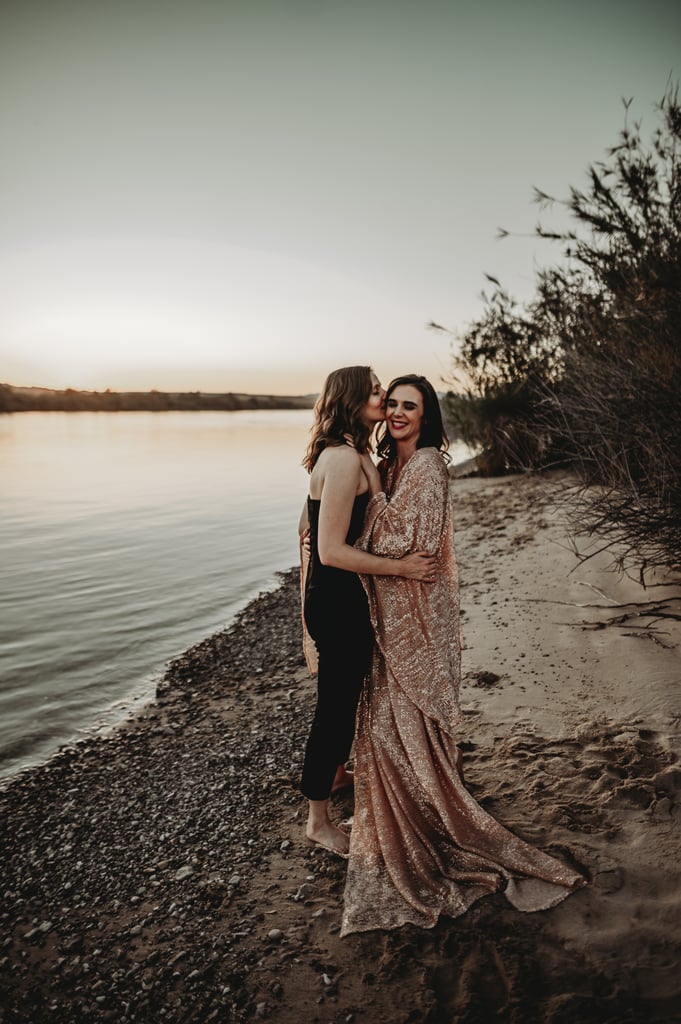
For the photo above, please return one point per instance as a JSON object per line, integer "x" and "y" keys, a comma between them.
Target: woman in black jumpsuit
{"x": 336, "y": 609}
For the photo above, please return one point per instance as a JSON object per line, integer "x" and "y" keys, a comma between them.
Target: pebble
{"x": 184, "y": 872}
{"x": 275, "y": 935}
{"x": 305, "y": 891}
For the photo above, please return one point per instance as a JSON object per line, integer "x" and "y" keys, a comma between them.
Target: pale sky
{"x": 244, "y": 195}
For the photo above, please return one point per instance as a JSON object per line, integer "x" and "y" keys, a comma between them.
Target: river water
{"x": 124, "y": 539}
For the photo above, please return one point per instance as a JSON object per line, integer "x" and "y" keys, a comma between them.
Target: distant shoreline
{"x": 33, "y": 399}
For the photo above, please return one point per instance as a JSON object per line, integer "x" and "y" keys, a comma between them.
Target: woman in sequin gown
{"x": 420, "y": 845}
{"x": 335, "y": 604}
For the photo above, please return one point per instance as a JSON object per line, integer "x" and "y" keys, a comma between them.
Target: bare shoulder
{"x": 340, "y": 456}
{"x": 338, "y": 466}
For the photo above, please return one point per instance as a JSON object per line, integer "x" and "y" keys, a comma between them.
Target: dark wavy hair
{"x": 338, "y": 412}
{"x": 432, "y": 434}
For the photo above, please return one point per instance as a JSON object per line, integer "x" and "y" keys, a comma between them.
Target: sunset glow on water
{"x": 124, "y": 539}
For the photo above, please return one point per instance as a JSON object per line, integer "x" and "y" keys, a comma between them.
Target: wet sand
{"x": 161, "y": 874}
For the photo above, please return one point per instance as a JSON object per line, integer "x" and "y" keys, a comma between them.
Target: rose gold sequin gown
{"x": 420, "y": 844}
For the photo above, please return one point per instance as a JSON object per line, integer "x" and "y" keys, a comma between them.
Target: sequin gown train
{"x": 420, "y": 845}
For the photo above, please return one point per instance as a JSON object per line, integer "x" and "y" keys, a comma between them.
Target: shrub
{"x": 590, "y": 369}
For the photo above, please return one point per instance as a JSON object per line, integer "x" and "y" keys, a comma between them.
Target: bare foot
{"x": 330, "y": 838}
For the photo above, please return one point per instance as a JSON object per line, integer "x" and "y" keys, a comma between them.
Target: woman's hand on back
{"x": 418, "y": 565}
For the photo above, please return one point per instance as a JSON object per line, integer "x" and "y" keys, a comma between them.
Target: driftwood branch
{"x": 652, "y": 606}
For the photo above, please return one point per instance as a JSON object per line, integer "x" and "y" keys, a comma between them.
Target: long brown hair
{"x": 433, "y": 434}
{"x": 338, "y": 412}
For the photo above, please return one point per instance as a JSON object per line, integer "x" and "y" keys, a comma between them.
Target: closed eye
{"x": 409, "y": 406}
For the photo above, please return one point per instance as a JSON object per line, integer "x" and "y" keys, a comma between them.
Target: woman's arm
{"x": 342, "y": 476}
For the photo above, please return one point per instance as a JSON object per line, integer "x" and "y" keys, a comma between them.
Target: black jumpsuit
{"x": 337, "y": 618}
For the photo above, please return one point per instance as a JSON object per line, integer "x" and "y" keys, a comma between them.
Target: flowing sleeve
{"x": 414, "y": 519}
{"x": 417, "y": 624}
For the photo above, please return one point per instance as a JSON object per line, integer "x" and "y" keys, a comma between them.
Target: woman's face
{"x": 374, "y": 409}
{"x": 404, "y": 413}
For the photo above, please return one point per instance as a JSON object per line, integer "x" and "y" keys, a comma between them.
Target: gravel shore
{"x": 160, "y": 873}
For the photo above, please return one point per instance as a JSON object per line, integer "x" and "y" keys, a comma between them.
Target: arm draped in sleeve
{"x": 414, "y": 518}
{"x": 417, "y": 624}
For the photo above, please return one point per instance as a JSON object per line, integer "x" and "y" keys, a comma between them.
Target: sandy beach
{"x": 161, "y": 873}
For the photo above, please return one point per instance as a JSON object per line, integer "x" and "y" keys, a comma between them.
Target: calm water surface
{"x": 124, "y": 539}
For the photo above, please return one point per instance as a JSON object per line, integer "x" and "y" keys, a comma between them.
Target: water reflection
{"x": 124, "y": 538}
{"x": 89, "y": 461}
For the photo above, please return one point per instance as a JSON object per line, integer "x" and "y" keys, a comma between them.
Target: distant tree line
{"x": 17, "y": 399}
{"x": 589, "y": 371}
